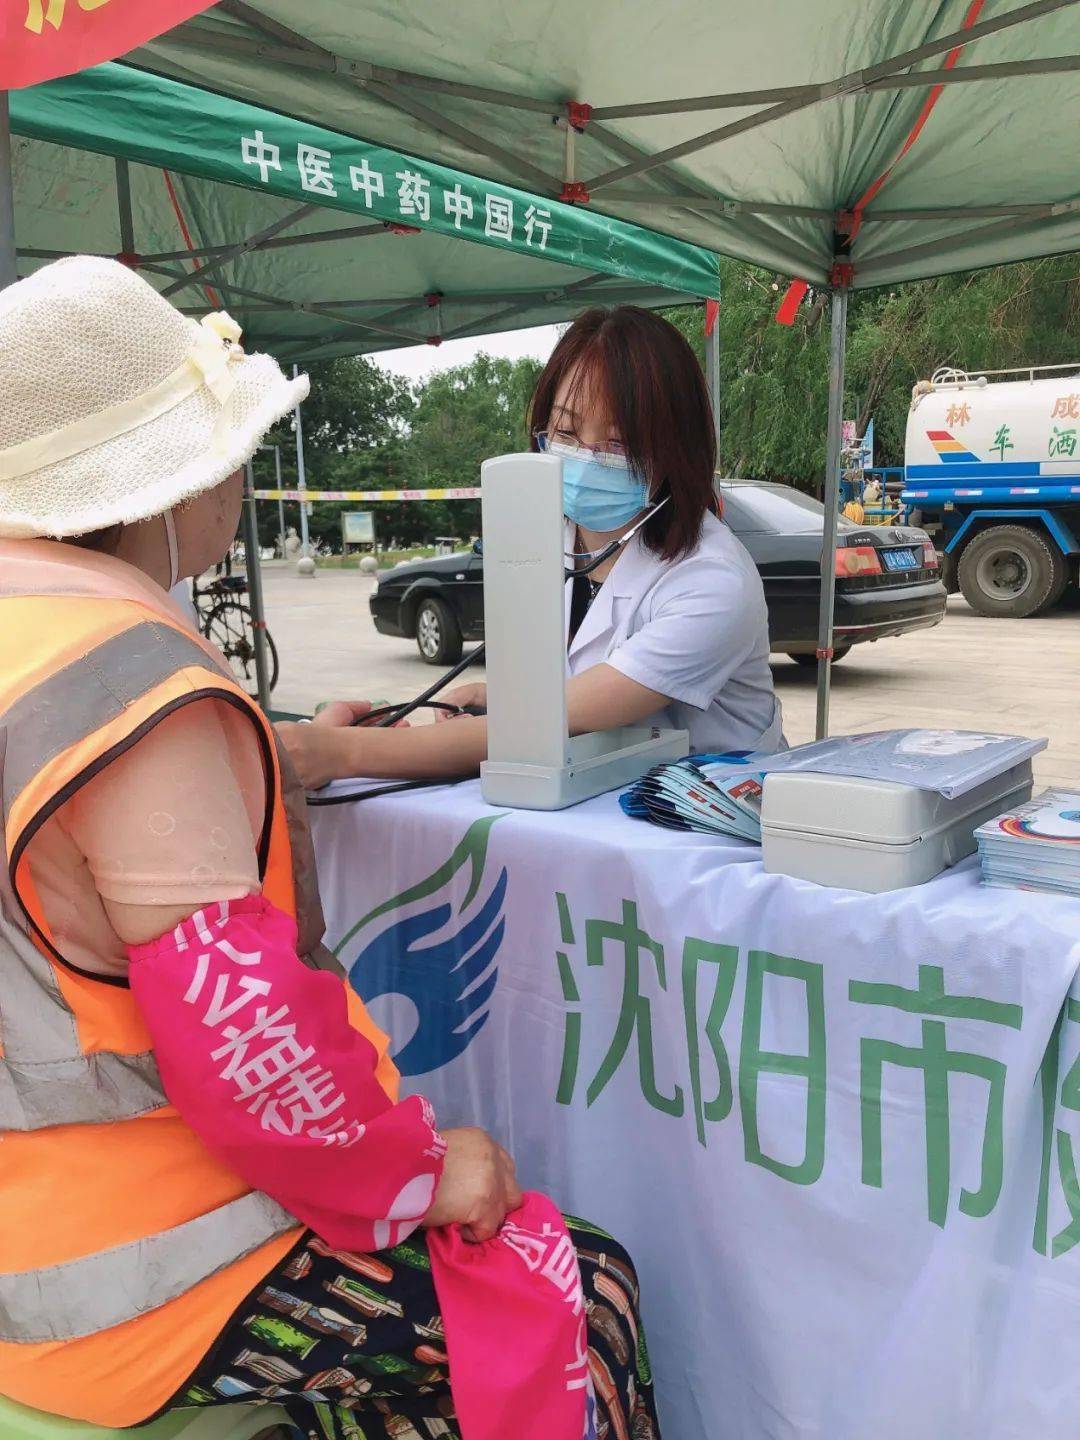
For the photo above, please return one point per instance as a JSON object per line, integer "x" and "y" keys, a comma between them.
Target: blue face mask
{"x": 601, "y": 497}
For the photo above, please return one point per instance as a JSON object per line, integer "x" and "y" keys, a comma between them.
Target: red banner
{"x": 41, "y": 39}
{"x": 789, "y": 305}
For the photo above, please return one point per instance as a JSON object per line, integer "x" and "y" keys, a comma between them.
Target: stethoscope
{"x": 388, "y": 715}
{"x": 595, "y": 558}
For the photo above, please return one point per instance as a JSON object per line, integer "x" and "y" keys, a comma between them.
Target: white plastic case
{"x": 875, "y": 835}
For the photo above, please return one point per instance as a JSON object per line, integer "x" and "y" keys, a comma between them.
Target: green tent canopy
{"x": 763, "y": 132}
{"x": 319, "y": 242}
{"x": 851, "y": 143}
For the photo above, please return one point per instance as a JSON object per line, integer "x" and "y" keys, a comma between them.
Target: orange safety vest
{"x": 115, "y": 1222}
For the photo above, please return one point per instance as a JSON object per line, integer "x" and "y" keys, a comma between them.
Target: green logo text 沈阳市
{"x": 436, "y": 943}
{"x": 722, "y": 1066}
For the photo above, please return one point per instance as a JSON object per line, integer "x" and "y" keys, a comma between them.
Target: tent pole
{"x": 123, "y": 203}
{"x": 255, "y": 595}
{"x": 9, "y": 271}
{"x": 837, "y": 346}
{"x": 712, "y": 374}
{"x": 301, "y": 476}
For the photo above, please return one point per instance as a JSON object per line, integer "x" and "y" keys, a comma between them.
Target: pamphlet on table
{"x": 722, "y": 794}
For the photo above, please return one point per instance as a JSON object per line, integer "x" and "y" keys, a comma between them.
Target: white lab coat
{"x": 696, "y": 630}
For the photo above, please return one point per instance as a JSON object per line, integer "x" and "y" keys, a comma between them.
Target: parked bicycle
{"x": 225, "y": 619}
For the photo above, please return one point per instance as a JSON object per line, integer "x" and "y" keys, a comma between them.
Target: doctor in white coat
{"x": 671, "y": 627}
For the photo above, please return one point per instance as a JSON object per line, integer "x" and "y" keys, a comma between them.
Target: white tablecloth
{"x": 838, "y": 1132}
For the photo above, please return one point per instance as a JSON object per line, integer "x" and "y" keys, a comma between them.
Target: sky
{"x": 419, "y": 361}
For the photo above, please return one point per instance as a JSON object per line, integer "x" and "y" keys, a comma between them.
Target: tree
{"x": 366, "y": 430}
{"x": 774, "y": 378}
{"x": 355, "y": 420}
{"x": 353, "y": 406}
{"x": 462, "y": 417}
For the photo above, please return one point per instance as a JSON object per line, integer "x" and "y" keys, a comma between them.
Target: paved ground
{"x": 1016, "y": 675}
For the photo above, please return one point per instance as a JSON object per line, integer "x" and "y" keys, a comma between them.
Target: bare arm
{"x": 332, "y": 747}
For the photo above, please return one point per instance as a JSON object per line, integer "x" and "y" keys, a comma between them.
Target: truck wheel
{"x": 438, "y": 634}
{"x": 1060, "y": 585}
{"x": 1011, "y": 571}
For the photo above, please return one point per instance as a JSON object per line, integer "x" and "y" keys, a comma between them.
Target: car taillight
{"x": 930, "y": 558}
{"x": 857, "y": 560}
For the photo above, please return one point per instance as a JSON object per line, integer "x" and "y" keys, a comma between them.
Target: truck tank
{"x": 992, "y": 470}
{"x": 972, "y": 437}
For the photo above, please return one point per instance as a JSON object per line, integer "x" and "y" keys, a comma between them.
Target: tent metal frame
{"x": 297, "y": 50}
{"x": 894, "y": 74}
{"x": 8, "y": 262}
{"x": 242, "y": 247}
{"x": 402, "y": 91}
{"x": 503, "y": 303}
{"x": 288, "y": 47}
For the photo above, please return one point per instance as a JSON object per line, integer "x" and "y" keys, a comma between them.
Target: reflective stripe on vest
{"x": 86, "y": 694}
{"x": 45, "y": 1079}
{"x": 111, "y": 1286}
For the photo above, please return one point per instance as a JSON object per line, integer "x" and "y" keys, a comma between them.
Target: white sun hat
{"x": 115, "y": 407}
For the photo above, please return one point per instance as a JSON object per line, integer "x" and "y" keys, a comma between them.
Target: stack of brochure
{"x": 1036, "y": 846}
{"x": 714, "y": 794}
{"x": 721, "y": 794}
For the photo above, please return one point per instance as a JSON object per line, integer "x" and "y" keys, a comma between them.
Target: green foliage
{"x": 463, "y": 417}
{"x": 355, "y": 422}
{"x": 774, "y": 378}
{"x": 365, "y": 430}
{"x": 353, "y": 406}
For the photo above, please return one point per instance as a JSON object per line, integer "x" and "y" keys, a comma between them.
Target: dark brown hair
{"x": 657, "y": 397}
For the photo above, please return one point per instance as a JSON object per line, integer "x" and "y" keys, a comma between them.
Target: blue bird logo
{"x": 447, "y": 970}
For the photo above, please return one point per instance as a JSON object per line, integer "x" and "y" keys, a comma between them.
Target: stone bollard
{"x": 305, "y": 567}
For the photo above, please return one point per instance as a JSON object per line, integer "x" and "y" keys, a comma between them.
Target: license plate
{"x": 900, "y": 559}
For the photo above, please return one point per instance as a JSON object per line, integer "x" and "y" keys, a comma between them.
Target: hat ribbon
{"x": 216, "y": 348}
{"x": 210, "y": 363}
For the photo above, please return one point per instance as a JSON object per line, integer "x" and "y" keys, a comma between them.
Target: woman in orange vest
{"x": 210, "y": 1190}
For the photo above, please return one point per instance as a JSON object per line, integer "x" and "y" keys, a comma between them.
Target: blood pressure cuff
{"x": 257, "y": 1054}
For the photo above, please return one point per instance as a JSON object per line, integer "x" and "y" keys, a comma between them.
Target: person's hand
{"x": 478, "y": 1188}
{"x": 315, "y": 751}
{"x": 462, "y": 695}
{"x": 316, "y": 748}
{"x": 345, "y": 712}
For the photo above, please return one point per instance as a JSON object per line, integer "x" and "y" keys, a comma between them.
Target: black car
{"x": 439, "y": 603}
{"x": 888, "y": 580}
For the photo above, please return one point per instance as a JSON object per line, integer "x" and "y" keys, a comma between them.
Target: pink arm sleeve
{"x": 257, "y": 1054}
